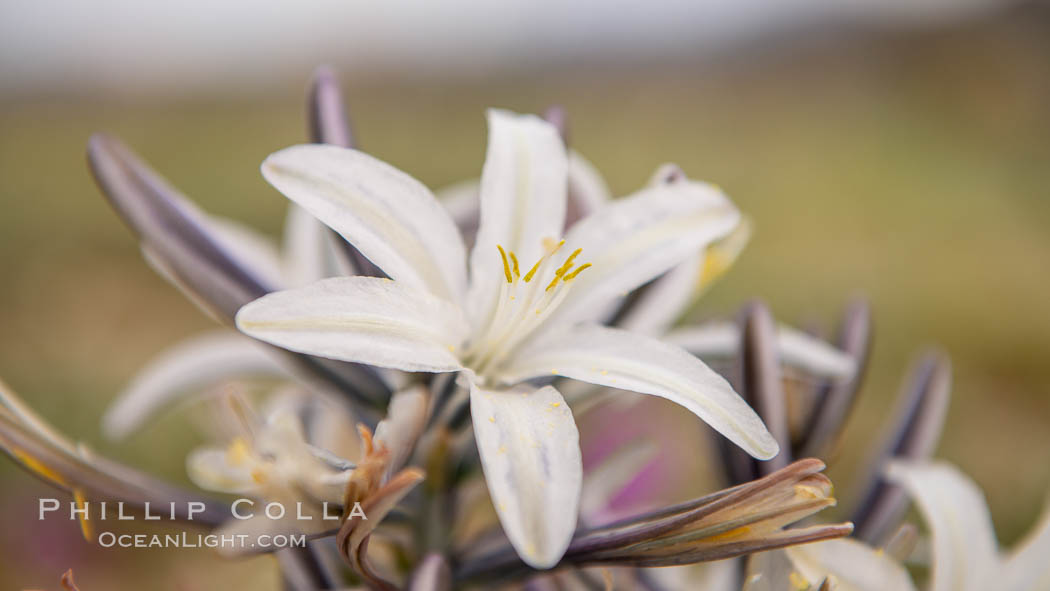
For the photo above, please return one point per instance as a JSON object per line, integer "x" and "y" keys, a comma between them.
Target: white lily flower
{"x": 511, "y": 322}
{"x": 965, "y": 552}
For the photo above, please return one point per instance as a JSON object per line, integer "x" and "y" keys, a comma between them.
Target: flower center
{"x": 524, "y": 303}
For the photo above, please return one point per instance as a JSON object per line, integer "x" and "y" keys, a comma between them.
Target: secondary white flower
{"x": 275, "y": 458}
{"x": 851, "y": 565}
{"x": 521, "y": 316}
{"x": 966, "y": 553}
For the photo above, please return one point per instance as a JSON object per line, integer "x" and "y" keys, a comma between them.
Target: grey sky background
{"x": 197, "y": 45}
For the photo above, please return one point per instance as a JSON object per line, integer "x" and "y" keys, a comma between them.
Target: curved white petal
{"x": 522, "y": 200}
{"x": 305, "y": 248}
{"x": 620, "y": 359}
{"x": 1027, "y": 566}
{"x": 665, "y": 300}
{"x": 404, "y": 422}
{"x": 796, "y": 348}
{"x": 186, "y": 368}
{"x": 669, "y": 297}
{"x": 210, "y": 468}
{"x": 965, "y": 554}
{"x": 363, "y": 319}
{"x": 640, "y": 237}
{"x": 387, "y": 215}
{"x": 530, "y": 453}
{"x": 461, "y": 200}
{"x": 854, "y": 566}
{"x": 587, "y": 189}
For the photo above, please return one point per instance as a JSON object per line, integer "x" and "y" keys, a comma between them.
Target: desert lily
{"x": 964, "y": 552}
{"x": 523, "y": 314}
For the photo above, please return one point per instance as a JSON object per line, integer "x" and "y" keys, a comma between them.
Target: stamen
{"x": 514, "y": 259}
{"x": 532, "y": 271}
{"x": 506, "y": 265}
{"x": 568, "y": 262}
{"x": 578, "y": 270}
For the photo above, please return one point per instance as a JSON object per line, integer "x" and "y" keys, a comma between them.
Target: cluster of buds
{"x": 425, "y": 422}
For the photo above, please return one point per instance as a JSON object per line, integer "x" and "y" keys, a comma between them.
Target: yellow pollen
{"x": 258, "y": 476}
{"x": 532, "y": 271}
{"x": 578, "y": 270}
{"x": 568, "y": 262}
{"x": 506, "y": 265}
{"x": 514, "y": 260}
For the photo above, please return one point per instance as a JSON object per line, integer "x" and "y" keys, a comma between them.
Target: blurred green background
{"x": 910, "y": 167}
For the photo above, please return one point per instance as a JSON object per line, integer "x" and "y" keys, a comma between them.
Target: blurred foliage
{"x": 912, "y": 168}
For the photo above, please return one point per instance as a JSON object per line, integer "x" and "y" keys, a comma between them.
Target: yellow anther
{"x": 578, "y": 270}
{"x": 506, "y": 265}
{"x": 551, "y": 285}
{"x": 259, "y": 476}
{"x": 568, "y": 262}
{"x": 514, "y": 260}
{"x": 532, "y": 271}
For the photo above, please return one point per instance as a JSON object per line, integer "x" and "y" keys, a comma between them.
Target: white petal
{"x": 186, "y": 368}
{"x": 665, "y": 300}
{"x": 461, "y": 201}
{"x": 964, "y": 546}
{"x": 669, "y": 297}
{"x": 620, "y": 359}
{"x": 1027, "y": 566}
{"x": 306, "y": 248}
{"x": 530, "y": 452}
{"x": 854, "y": 566}
{"x": 640, "y": 237}
{"x": 210, "y": 469}
{"x": 363, "y": 319}
{"x": 398, "y": 432}
{"x": 587, "y": 193}
{"x": 523, "y": 192}
{"x": 587, "y": 189}
{"x": 796, "y": 348}
{"x": 387, "y": 215}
